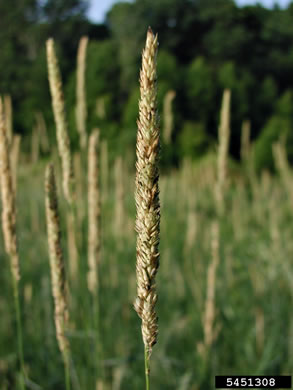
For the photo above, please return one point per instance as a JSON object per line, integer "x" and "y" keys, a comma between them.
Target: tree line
{"x": 205, "y": 47}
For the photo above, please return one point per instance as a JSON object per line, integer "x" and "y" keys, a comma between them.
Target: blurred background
{"x": 205, "y": 46}
{"x": 226, "y": 274}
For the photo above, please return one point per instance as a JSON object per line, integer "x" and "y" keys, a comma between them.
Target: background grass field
{"x": 226, "y": 242}
{"x": 253, "y": 322}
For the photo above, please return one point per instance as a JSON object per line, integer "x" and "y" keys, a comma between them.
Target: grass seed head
{"x": 8, "y": 200}
{"x": 94, "y": 212}
{"x": 81, "y": 109}
{"x": 60, "y": 120}
{"x": 56, "y": 260}
{"x": 147, "y": 195}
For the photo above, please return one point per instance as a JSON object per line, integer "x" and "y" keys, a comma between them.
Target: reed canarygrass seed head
{"x": 60, "y": 120}
{"x": 94, "y": 241}
{"x": 147, "y": 195}
{"x": 56, "y": 261}
{"x": 8, "y": 200}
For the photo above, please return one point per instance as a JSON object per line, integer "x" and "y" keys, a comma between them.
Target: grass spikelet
{"x": 60, "y": 120}
{"x": 147, "y": 198}
{"x": 223, "y": 151}
{"x": 94, "y": 240}
{"x": 58, "y": 279}
{"x": 81, "y": 109}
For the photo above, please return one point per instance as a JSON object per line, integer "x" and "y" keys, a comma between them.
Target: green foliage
{"x": 129, "y": 33}
{"x": 265, "y": 101}
{"x": 102, "y": 69}
{"x": 205, "y": 46}
{"x": 251, "y": 262}
{"x": 102, "y": 77}
{"x": 131, "y": 110}
{"x": 279, "y": 125}
{"x": 227, "y": 75}
{"x": 199, "y": 88}
{"x": 193, "y": 140}
{"x": 167, "y": 69}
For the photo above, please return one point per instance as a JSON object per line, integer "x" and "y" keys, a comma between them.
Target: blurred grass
{"x": 254, "y": 286}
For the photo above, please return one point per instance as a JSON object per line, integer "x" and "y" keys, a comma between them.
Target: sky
{"x": 99, "y": 8}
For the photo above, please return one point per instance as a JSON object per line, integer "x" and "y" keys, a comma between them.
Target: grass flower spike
{"x": 147, "y": 198}
{"x": 60, "y": 120}
{"x": 59, "y": 290}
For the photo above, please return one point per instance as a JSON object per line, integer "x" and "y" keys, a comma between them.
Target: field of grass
{"x": 252, "y": 327}
{"x": 224, "y": 284}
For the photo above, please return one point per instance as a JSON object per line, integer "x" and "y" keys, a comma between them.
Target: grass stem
{"x": 147, "y": 369}
{"x": 67, "y": 370}
{"x": 19, "y": 332}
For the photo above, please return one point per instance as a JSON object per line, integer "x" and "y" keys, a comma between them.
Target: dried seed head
{"x": 210, "y": 307}
{"x": 8, "y": 200}
{"x": 56, "y": 260}
{"x": 60, "y": 120}
{"x": 81, "y": 109}
{"x": 147, "y": 195}
{"x": 223, "y": 151}
{"x": 94, "y": 240}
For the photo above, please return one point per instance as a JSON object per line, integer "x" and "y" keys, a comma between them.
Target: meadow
{"x": 224, "y": 284}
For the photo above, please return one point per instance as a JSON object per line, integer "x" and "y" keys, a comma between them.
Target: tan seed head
{"x": 60, "y": 120}
{"x": 8, "y": 200}
{"x": 56, "y": 261}
{"x": 147, "y": 195}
